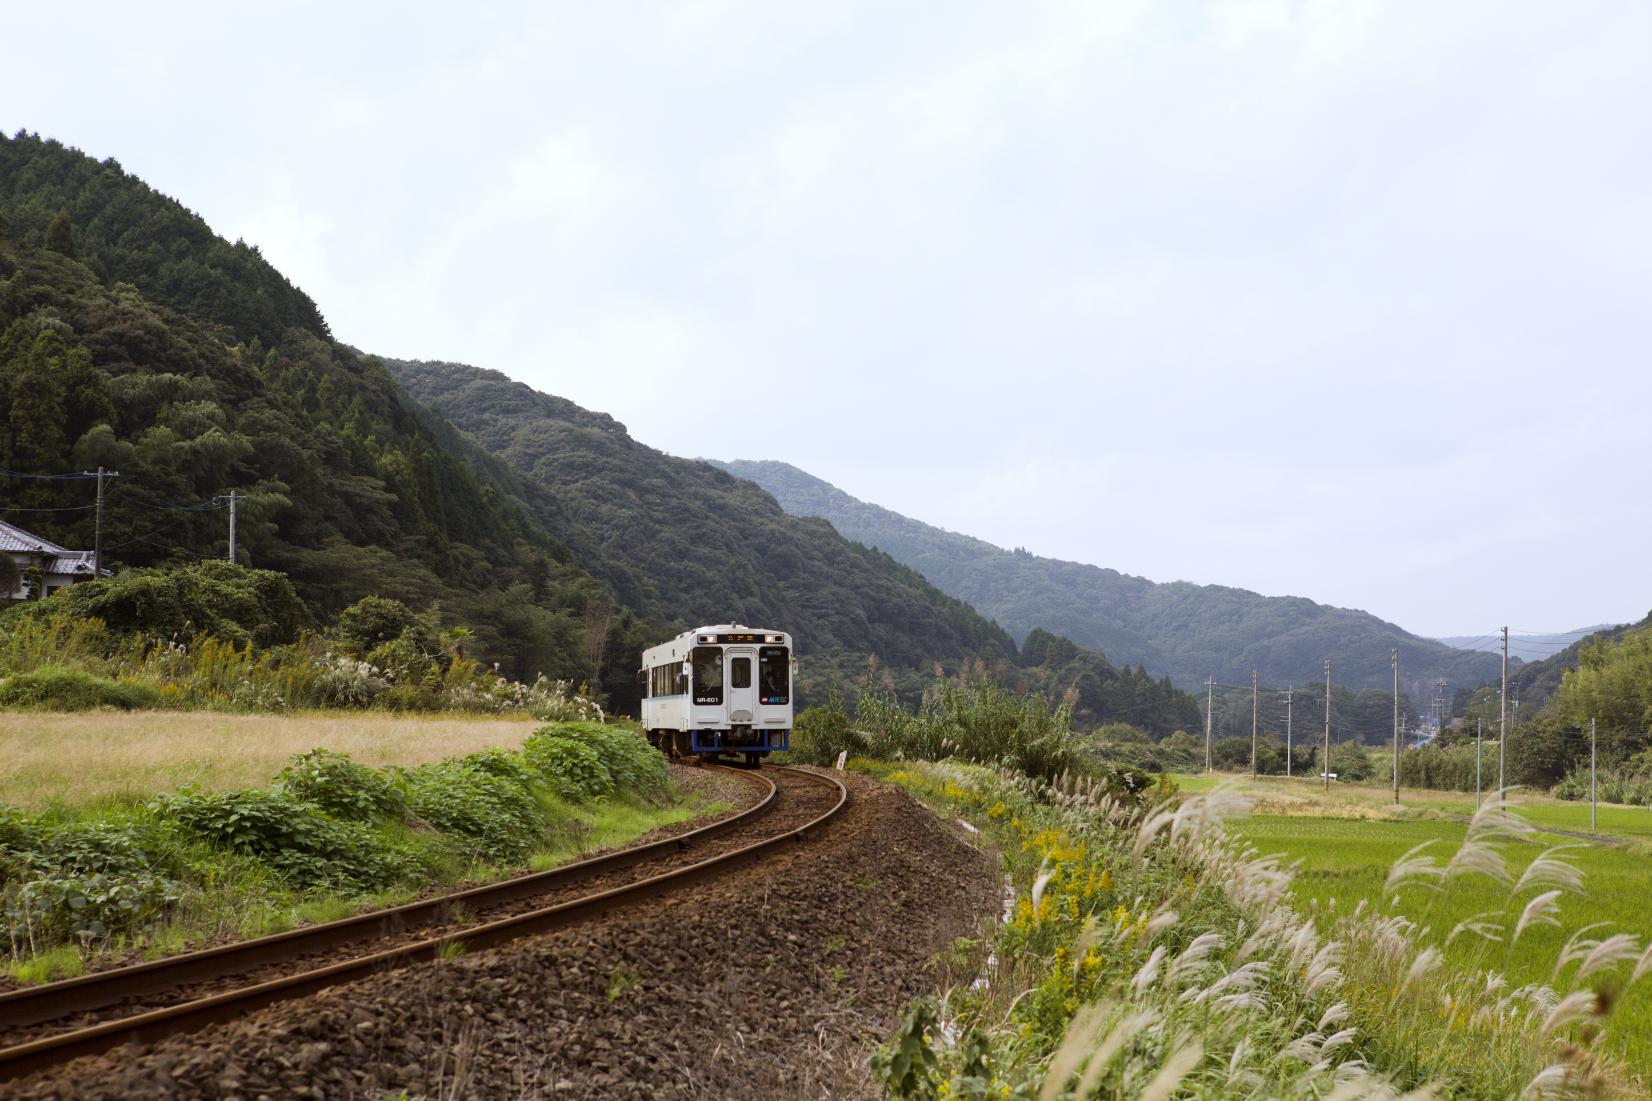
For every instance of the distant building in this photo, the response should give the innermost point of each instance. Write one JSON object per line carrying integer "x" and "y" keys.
{"x": 58, "y": 566}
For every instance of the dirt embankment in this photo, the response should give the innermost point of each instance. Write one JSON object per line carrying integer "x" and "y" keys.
{"x": 771, "y": 983}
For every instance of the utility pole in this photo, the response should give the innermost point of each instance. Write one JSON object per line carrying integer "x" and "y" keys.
{"x": 97, "y": 536}
{"x": 233, "y": 497}
{"x": 1253, "y": 724}
{"x": 1394, "y": 657}
{"x": 1327, "y": 769}
{"x": 1591, "y": 774}
{"x": 1287, "y": 732}
{"x": 1210, "y": 684}
{"x": 1503, "y": 720}
{"x": 1445, "y": 706}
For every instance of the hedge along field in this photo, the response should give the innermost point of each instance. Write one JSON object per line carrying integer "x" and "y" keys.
{"x": 1345, "y": 862}
{"x": 327, "y": 836}
{"x": 84, "y": 757}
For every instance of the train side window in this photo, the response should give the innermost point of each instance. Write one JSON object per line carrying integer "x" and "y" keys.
{"x": 774, "y": 675}
{"x": 739, "y": 673}
{"x": 708, "y": 675}
{"x": 643, "y": 684}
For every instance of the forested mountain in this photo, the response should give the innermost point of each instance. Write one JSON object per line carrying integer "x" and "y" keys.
{"x": 1181, "y": 629}
{"x": 134, "y": 339}
{"x": 684, "y": 542}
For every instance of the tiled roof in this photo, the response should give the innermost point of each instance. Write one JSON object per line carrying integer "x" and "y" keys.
{"x": 16, "y": 539}
{"x": 75, "y": 562}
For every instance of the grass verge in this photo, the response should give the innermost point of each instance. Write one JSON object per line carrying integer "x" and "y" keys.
{"x": 1148, "y": 953}
{"x": 327, "y": 837}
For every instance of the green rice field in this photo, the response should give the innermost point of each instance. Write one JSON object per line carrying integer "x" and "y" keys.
{"x": 1345, "y": 841}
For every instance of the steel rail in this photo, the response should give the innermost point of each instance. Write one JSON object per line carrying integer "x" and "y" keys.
{"x": 54, "y": 1001}
{"x": 156, "y": 1024}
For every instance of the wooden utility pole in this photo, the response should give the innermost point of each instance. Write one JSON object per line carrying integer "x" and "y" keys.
{"x": 1210, "y": 684}
{"x": 1503, "y": 721}
{"x": 1253, "y": 724}
{"x": 1327, "y": 769}
{"x": 1591, "y": 774}
{"x": 1394, "y": 657}
{"x": 97, "y": 530}
{"x": 233, "y": 497}
{"x": 1287, "y": 732}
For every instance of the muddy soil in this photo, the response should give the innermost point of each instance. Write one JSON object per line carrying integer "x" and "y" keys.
{"x": 774, "y": 982}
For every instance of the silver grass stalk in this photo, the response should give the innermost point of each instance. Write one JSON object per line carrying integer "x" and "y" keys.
{"x": 1117, "y": 1038}
{"x": 1608, "y": 953}
{"x": 1482, "y": 925}
{"x": 1574, "y": 1007}
{"x": 1412, "y": 869}
{"x": 1075, "y": 1045}
{"x": 1549, "y": 871}
{"x": 1541, "y": 910}
{"x": 1577, "y": 946}
{"x": 1178, "y": 1066}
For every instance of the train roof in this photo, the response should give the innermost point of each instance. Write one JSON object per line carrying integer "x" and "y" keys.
{"x": 763, "y": 634}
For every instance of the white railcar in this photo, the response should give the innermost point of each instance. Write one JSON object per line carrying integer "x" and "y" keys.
{"x": 722, "y": 689}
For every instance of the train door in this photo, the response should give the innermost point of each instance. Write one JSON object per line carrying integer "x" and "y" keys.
{"x": 742, "y": 686}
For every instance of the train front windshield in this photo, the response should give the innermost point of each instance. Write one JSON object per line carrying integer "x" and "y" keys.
{"x": 774, "y": 675}
{"x": 708, "y": 674}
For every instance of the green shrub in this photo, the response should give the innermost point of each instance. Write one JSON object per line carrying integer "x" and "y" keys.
{"x": 504, "y": 764}
{"x": 632, "y": 764}
{"x": 54, "y": 908}
{"x": 296, "y": 838}
{"x": 341, "y": 787}
{"x": 59, "y": 688}
{"x": 574, "y": 768}
{"x": 498, "y": 817}
{"x": 372, "y": 621}
{"x": 80, "y": 880}
{"x": 822, "y": 732}
{"x": 213, "y": 597}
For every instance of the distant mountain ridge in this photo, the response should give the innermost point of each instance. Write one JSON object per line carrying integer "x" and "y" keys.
{"x": 1178, "y": 628}
{"x": 1527, "y": 647}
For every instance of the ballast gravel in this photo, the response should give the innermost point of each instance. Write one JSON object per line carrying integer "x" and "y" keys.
{"x": 773, "y": 982}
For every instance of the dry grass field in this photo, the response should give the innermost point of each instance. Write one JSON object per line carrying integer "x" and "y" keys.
{"x": 87, "y": 757}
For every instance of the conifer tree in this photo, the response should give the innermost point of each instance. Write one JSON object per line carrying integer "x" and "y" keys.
{"x": 60, "y": 235}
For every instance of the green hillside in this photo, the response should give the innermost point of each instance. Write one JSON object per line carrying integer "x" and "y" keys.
{"x": 134, "y": 338}
{"x": 1187, "y": 631}
{"x": 684, "y": 542}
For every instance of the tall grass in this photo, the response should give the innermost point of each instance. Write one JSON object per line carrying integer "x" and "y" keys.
{"x": 971, "y": 718}
{"x": 1150, "y": 954}
{"x": 62, "y": 663}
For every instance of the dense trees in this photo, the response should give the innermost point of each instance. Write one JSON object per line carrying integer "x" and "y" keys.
{"x": 682, "y": 541}
{"x": 1100, "y": 693}
{"x": 194, "y": 368}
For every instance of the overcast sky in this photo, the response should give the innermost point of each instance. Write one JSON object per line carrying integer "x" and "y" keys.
{"x": 1345, "y": 300}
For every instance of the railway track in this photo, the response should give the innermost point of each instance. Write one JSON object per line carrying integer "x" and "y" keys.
{"x": 51, "y": 1024}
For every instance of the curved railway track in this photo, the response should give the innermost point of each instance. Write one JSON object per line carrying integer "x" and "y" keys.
{"x": 46, "y": 1025}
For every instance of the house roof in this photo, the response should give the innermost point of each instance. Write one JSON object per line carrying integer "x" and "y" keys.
{"x": 74, "y": 562}
{"x": 15, "y": 539}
